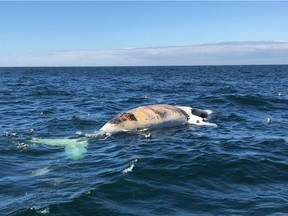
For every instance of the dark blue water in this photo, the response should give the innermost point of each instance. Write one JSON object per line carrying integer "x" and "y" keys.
{"x": 237, "y": 168}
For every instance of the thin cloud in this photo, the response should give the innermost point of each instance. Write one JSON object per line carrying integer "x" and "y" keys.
{"x": 230, "y": 53}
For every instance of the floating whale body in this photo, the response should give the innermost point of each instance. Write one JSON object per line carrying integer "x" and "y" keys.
{"x": 144, "y": 118}
{"x": 155, "y": 117}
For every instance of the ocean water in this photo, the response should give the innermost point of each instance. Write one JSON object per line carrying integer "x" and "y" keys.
{"x": 237, "y": 168}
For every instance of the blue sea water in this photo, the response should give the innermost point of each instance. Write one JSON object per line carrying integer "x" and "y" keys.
{"x": 237, "y": 168}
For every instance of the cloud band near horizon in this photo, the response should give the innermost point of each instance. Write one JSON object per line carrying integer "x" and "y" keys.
{"x": 230, "y": 53}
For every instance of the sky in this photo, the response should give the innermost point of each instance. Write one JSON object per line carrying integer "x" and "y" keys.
{"x": 136, "y": 33}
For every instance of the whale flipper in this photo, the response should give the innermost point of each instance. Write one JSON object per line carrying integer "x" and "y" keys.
{"x": 74, "y": 148}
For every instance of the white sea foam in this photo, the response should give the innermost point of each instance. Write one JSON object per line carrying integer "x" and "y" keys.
{"x": 130, "y": 168}
{"x": 41, "y": 171}
{"x": 44, "y": 211}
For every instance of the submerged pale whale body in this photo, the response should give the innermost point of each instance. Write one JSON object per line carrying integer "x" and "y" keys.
{"x": 155, "y": 117}
{"x": 136, "y": 120}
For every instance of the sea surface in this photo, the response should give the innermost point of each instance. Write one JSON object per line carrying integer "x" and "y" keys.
{"x": 239, "y": 167}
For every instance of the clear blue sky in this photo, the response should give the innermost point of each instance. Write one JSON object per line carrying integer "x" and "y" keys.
{"x": 40, "y": 28}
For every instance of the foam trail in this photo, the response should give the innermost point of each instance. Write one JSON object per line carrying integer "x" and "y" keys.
{"x": 41, "y": 171}
{"x": 74, "y": 148}
{"x": 207, "y": 124}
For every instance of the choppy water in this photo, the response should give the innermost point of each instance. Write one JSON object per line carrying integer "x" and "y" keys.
{"x": 238, "y": 168}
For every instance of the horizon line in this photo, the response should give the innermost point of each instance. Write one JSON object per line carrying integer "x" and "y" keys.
{"x": 209, "y": 54}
